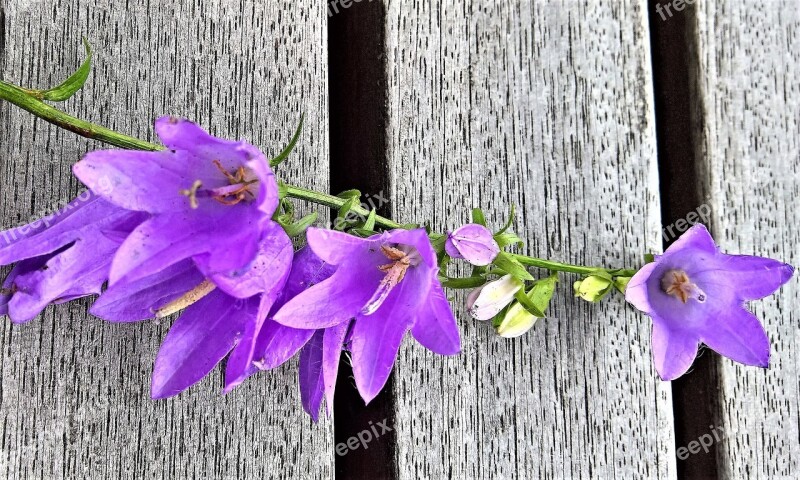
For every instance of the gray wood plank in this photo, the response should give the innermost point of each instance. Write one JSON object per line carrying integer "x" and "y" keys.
{"x": 749, "y": 89}
{"x": 75, "y": 390}
{"x": 547, "y": 105}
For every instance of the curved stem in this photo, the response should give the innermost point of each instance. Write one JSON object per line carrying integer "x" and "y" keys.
{"x": 26, "y": 101}
{"x": 23, "y": 99}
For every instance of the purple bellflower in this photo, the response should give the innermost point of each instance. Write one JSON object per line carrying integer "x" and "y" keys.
{"x": 696, "y": 294}
{"x": 210, "y": 200}
{"x": 474, "y": 243}
{"x": 189, "y": 228}
{"x": 386, "y": 285}
{"x": 63, "y": 256}
{"x": 213, "y": 323}
{"x": 319, "y": 349}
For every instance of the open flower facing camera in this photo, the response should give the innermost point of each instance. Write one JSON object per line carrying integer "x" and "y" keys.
{"x": 202, "y": 228}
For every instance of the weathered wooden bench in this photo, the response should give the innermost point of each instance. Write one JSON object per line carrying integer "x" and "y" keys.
{"x": 602, "y": 121}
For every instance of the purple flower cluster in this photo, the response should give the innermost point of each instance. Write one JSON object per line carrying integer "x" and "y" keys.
{"x": 190, "y": 229}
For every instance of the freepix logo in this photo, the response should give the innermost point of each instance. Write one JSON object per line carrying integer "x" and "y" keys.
{"x": 363, "y": 438}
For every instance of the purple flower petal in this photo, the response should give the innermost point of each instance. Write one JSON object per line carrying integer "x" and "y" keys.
{"x": 78, "y": 270}
{"x": 474, "y": 243}
{"x": 674, "y": 351}
{"x": 277, "y": 343}
{"x": 331, "y": 351}
{"x": 240, "y": 363}
{"x": 752, "y": 278}
{"x": 22, "y": 268}
{"x": 144, "y": 181}
{"x": 80, "y": 218}
{"x": 375, "y": 343}
{"x": 133, "y": 302}
{"x": 169, "y": 238}
{"x": 435, "y": 326}
{"x": 696, "y": 240}
{"x": 311, "y": 381}
{"x": 738, "y": 335}
{"x": 199, "y": 340}
{"x": 267, "y": 272}
{"x": 637, "y": 291}
{"x": 333, "y": 247}
{"x": 334, "y": 300}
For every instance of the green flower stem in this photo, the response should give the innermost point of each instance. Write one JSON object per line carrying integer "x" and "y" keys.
{"x": 26, "y": 101}
{"x": 568, "y": 268}
{"x": 23, "y": 99}
{"x": 332, "y": 201}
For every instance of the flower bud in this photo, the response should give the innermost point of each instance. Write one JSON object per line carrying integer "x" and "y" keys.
{"x": 474, "y": 243}
{"x": 486, "y": 302}
{"x": 593, "y": 288}
{"x": 516, "y": 321}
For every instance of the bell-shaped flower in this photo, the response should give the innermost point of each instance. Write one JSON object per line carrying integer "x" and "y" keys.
{"x": 319, "y": 349}
{"x": 213, "y": 324}
{"x": 696, "y": 294}
{"x": 474, "y": 243}
{"x": 210, "y": 200}
{"x": 388, "y": 285}
{"x": 63, "y": 256}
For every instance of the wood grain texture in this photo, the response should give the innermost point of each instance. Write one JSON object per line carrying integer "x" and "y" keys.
{"x": 75, "y": 390}
{"x": 749, "y": 94}
{"x": 547, "y": 105}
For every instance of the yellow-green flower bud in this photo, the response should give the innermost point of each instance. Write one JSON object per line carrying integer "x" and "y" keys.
{"x": 593, "y": 288}
{"x": 516, "y": 321}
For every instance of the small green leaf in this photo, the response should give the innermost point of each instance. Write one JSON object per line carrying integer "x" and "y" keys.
{"x": 649, "y": 258}
{"x": 437, "y": 241}
{"x": 511, "y": 265}
{"x": 75, "y": 81}
{"x": 348, "y": 194}
{"x": 543, "y": 291}
{"x": 301, "y": 225}
{"x": 409, "y": 226}
{"x": 528, "y": 304}
{"x": 286, "y": 151}
{"x": 511, "y": 218}
{"x": 346, "y": 207}
{"x": 508, "y": 238}
{"x": 461, "y": 283}
{"x": 478, "y": 217}
{"x": 369, "y": 224}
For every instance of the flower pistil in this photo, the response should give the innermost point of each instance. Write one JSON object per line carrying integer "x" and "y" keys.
{"x": 401, "y": 259}
{"x": 678, "y": 284}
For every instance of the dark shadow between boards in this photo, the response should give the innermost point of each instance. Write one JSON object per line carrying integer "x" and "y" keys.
{"x": 679, "y": 122}
{"x": 357, "y": 83}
